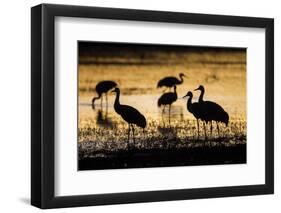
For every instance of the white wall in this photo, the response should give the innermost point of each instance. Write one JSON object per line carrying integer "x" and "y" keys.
{"x": 15, "y": 105}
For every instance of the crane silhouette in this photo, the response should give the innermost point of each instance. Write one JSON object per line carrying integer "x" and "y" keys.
{"x": 102, "y": 88}
{"x": 212, "y": 111}
{"x": 170, "y": 81}
{"x": 168, "y": 98}
{"x": 131, "y": 115}
{"x": 194, "y": 108}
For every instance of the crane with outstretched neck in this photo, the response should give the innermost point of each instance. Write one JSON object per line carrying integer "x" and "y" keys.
{"x": 170, "y": 81}
{"x": 212, "y": 111}
{"x": 194, "y": 108}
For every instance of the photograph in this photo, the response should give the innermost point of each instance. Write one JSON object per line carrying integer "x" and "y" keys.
{"x": 154, "y": 105}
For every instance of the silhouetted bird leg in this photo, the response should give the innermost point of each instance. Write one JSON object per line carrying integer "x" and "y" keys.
{"x": 211, "y": 128}
{"x": 211, "y": 132}
{"x": 218, "y": 128}
{"x": 106, "y": 101}
{"x": 226, "y": 132}
{"x": 101, "y": 101}
{"x": 144, "y": 137}
{"x": 198, "y": 129}
{"x": 204, "y": 124}
{"x": 163, "y": 111}
{"x": 128, "y": 136}
{"x": 106, "y": 114}
{"x": 170, "y": 114}
{"x": 133, "y": 134}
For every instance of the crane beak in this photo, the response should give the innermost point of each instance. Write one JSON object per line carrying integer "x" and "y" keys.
{"x": 196, "y": 89}
{"x": 184, "y": 96}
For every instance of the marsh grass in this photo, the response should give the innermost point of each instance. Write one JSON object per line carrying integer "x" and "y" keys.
{"x": 111, "y": 136}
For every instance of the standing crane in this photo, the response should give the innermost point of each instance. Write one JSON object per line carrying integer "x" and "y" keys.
{"x": 131, "y": 115}
{"x": 168, "y": 98}
{"x": 194, "y": 108}
{"x": 102, "y": 88}
{"x": 170, "y": 81}
{"x": 212, "y": 111}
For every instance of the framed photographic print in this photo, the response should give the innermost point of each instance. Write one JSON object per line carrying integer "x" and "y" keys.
{"x": 139, "y": 106}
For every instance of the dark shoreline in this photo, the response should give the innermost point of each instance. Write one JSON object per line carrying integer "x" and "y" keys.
{"x": 204, "y": 155}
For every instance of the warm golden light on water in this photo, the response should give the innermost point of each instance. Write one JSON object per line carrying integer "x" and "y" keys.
{"x": 138, "y": 87}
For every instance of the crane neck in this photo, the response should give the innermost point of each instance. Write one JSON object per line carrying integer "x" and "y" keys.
{"x": 175, "y": 92}
{"x": 95, "y": 98}
{"x": 189, "y": 103}
{"x": 181, "y": 79}
{"x": 116, "y": 102}
{"x": 201, "y": 96}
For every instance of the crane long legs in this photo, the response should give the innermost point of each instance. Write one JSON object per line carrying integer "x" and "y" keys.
{"x": 106, "y": 101}
{"x": 198, "y": 129}
{"x": 131, "y": 126}
{"x": 101, "y": 101}
{"x": 133, "y": 134}
{"x": 204, "y": 124}
{"x": 218, "y": 128}
{"x": 170, "y": 114}
{"x": 163, "y": 111}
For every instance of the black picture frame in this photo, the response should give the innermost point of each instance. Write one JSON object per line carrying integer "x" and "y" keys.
{"x": 43, "y": 102}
